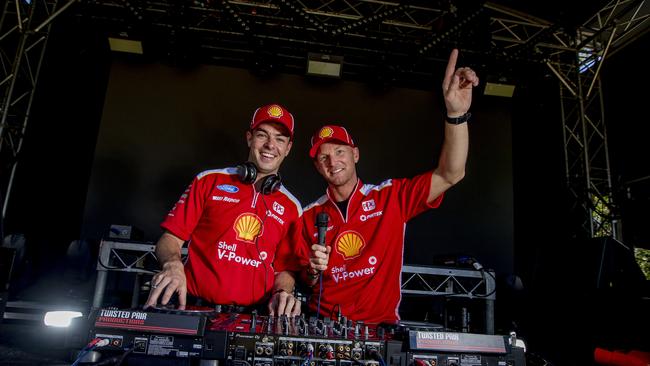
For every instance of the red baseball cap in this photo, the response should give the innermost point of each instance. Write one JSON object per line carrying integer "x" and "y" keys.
{"x": 329, "y": 133}
{"x": 273, "y": 113}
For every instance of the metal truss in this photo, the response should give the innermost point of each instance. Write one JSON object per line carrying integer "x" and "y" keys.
{"x": 372, "y": 35}
{"x": 452, "y": 282}
{"x": 587, "y": 165}
{"x": 519, "y": 36}
{"x": 24, "y": 29}
{"x": 398, "y": 41}
{"x": 130, "y": 257}
{"x": 386, "y": 41}
{"x": 576, "y": 60}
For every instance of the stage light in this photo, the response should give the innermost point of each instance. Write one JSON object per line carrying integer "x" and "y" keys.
{"x": 60, "y": 319}
{"x": 499, "y": 86}
{"x": 125, "y": 45}
{"x": 499, "y": 90}
{"x": 324, "y": 65}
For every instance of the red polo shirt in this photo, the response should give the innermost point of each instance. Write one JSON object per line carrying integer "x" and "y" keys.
{"x": 237, "y": 236}
{"x": 363, "y": 277}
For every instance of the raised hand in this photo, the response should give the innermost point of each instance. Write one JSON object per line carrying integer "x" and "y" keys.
{"x": 457, "y": 87}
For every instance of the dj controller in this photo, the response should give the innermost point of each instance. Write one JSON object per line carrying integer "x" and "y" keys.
{"x": 212, "y": 337}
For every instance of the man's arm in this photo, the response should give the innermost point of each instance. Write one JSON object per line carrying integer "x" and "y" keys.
{"x": 171, "y": 278}
{"x": 288, "y": 260}
{"x": 457, "y": 89}
{"x": 451, "y": 165}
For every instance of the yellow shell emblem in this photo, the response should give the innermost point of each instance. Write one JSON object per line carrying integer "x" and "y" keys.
{"x": 325, "y": 132}
{"x": 274, "y": 111}
{"x": 248, "y": 226}
{"x": 350, "y": 244}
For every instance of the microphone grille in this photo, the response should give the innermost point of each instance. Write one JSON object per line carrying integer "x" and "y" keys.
{"x": 322, "y": 219}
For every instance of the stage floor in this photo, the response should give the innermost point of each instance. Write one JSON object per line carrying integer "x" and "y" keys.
{"x": 22, "y": 344}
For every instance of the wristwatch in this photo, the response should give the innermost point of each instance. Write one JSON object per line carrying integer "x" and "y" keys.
{"x": 458, "y": 120}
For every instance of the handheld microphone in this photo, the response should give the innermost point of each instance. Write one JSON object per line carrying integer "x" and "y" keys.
{"x": 321, "y": 225}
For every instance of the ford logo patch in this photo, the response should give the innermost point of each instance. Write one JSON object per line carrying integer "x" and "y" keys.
{"x": 228, "y": 188}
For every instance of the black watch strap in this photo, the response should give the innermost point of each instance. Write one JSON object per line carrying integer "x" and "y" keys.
{"x": 458, "y": 120}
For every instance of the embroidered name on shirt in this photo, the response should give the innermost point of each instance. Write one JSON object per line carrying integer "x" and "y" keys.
{"x": 371, "y": 216}
{"x": 225, "y": 199}
{"x": 274, "y": 216}
{"x": 233, "y": 200}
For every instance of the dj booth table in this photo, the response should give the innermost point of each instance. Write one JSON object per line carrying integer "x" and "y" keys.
{"x": 197, "y": 337}
{"x": 122, "y": 256}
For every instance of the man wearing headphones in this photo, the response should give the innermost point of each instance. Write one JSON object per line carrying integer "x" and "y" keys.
{"x": 238, "y": 222}
{"x": 360, "y": 268}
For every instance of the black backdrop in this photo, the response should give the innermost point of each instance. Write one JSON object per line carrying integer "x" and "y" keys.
{"x": 162, "y": 125}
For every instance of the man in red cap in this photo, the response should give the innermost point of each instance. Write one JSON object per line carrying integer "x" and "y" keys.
{"x": 238, "y": 222}
{"x": 362, "y": 260}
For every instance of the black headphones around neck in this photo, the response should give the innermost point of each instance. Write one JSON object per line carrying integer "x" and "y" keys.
{"x": 247, "y": 173}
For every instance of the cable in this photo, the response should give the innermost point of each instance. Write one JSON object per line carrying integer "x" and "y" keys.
{"x": 495, "y": 284}
{"x": 336, "y": 306}
{"x": 479, "y": 267}
{"x": 241, "y": 362}
{"x": 115, "y": 360}
{"x": 123, "y": 357}
{"x": 259, "y": 254}
{"x": 375, "y": 354}
{"x": 96, "y": 342}
{"x": 320, "y": 292}
{"x": 310, "y": 355}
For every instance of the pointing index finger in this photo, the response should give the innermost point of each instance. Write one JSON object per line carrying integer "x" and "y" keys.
{"x": 451, "y": 68}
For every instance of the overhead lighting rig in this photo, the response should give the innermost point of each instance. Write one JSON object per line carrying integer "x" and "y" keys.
{"x": 299, "y": 10}
{"x": 450, "y": 31}
{"x": 365, "y": 21}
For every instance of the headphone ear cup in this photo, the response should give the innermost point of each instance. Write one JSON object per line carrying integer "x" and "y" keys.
{"x": 247, "y": 172}
{"x": 271, "y": 184}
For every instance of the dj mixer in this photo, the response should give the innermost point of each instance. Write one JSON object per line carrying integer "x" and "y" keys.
{"x": 208, "y": 336}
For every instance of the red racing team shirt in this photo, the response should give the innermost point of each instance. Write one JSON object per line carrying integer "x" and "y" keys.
{"x": 363, "y": 278}
{"x": 237, "y": 236}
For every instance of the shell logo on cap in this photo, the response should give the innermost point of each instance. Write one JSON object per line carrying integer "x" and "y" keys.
{"x": 350, "y": 244}
{"x": 274, "y": 111}
{"x": 248, "y": 226}
{"x": 325, "y": 132}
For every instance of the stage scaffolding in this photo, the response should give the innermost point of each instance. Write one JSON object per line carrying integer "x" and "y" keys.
{"x": 371, "y": 33}
{"x": 24, "y": 31}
